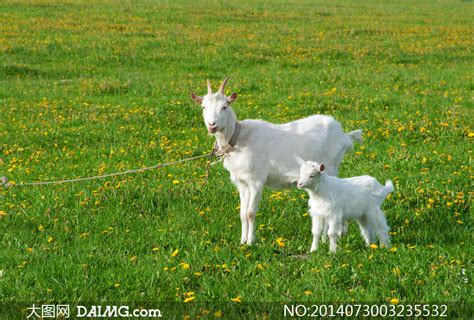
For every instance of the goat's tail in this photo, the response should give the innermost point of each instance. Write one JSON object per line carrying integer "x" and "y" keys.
{"x": 388, "y": 188}
{"x": 355, "y": 136}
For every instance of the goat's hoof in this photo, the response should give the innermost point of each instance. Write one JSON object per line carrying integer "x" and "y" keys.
{"x": 250, "y": 241}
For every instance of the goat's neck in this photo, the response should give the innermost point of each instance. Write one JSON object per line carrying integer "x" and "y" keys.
{"x": 320, "y": 189}
{"x": 224, "y": 136}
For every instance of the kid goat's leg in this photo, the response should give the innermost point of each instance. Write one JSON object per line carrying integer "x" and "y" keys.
{"x": 365, "y": 230}
{"x": 317, "y": 228}
{"x": 383, "y": 229}
{"x": 380, "y": 227}
{"x": 335, "y": 225}
{"x": 255, "y": 194}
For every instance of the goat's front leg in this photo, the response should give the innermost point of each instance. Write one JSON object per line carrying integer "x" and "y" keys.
{"x": 244, "y": 204}
{"x": 318, "y": 225}
{"x": 255, "y": 195}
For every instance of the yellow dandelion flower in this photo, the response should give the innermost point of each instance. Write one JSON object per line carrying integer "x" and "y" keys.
{"x": 393, "y": 249}
{"x": 236, "y": 299}
{"x": 175, "y": 253}
{"x": 40, "y": 228}
{"x": 117, "y": 285}
{"x": 373, "y": 246}
{"x": 49, "y": 290}
{"x": 308, "y": 292}
{"x": 184, "y": 265}
{"x": 197, "y": 274}
{"x": 29, "y": 249}
{"x": 155, "y": 249}
{"x": 218, "y": 314}
{"x": 189, "y": 299}
{"x": 394, "y": 301}
{"x": 280, "y": 242}
{"x": 3, "y": 213}
{"x": 175, "y": 181}
{"x": 50, "y": 239}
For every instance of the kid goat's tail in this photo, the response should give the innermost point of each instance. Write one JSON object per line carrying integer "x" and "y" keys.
{"x": 388, "y": 187}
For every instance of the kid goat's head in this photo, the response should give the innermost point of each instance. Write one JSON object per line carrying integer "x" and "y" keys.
{"x": 216, "y": 107}
{"x": 310, "y": 172}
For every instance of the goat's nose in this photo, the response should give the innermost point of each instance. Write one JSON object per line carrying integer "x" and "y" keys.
{"x": 211, "y": 124}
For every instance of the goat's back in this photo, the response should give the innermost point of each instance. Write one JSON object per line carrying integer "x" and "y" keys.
{"x": 269, "y": 149}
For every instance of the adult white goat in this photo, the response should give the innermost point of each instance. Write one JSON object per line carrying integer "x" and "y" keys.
{"x": 334, "y": 201}
{"x": 258, "y": 153}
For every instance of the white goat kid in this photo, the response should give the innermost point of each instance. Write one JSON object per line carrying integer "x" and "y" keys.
{"x": 258, "y": 153}
{"x": 333, "y": 201}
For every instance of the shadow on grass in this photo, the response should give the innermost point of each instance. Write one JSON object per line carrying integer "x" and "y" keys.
{"x": 19, "y": 71}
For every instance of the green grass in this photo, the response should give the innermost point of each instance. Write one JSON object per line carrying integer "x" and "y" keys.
{"x": 91, "y": 88}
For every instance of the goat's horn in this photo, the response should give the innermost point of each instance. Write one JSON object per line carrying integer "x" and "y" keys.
{"x": 209, "y": 89}
{"x": 222, "y": 87}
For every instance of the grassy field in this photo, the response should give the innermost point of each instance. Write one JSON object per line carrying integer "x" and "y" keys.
{"x": 99, "y": 87}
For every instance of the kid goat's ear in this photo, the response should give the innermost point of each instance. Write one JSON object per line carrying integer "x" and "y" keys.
{"x": 321, "y": 167}
{"x": 232, "y": 97}
{"x": 196, "y": 98}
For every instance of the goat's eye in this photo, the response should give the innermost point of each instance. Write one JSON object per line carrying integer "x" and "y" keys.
{"x": 225, "y": 107}
{"x": 312, "y": 176}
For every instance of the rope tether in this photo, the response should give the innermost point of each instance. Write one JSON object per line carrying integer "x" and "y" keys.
{"x": 4, "y": 181}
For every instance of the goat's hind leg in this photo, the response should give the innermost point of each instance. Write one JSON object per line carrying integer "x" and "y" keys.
{"x": 365, "y": 230}
{"x": 381, "y": 228}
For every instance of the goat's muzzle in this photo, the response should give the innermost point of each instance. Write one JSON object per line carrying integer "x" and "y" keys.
{"x": 212, "y": 129}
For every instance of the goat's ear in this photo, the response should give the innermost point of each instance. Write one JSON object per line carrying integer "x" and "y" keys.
{"x": 321, "y": 167}
{"x": 196, "y": 98}
{"x": 232, "y": 97}
{"x": 299, "y": 160}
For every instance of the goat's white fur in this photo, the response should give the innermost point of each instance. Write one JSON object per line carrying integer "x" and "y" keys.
{"x": 263, "y": 154}
{"x": 333, "y": 201}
